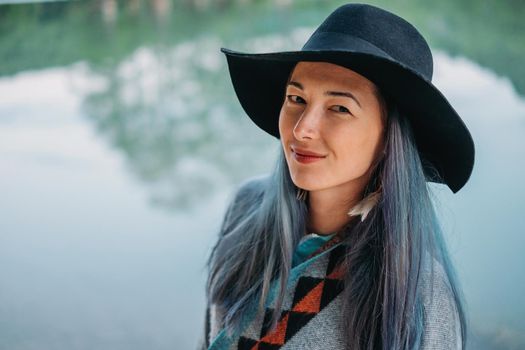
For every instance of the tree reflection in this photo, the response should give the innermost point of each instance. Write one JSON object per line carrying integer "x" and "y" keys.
{"x": 167, "y": 102}
{"x": 173, "y": 113}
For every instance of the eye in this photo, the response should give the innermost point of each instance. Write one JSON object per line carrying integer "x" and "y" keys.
{"x": 295, "y": 99}
{"x": 341, "y": 109}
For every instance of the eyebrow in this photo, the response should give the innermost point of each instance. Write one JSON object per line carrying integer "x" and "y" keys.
{"x": 329, "y": 93}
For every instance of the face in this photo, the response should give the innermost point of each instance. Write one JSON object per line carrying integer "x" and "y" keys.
{"x": 335, "y": 113}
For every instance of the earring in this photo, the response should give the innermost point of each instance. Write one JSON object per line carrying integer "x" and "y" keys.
{"x": 366, "y": 204}
{"x": 301, "y": 194}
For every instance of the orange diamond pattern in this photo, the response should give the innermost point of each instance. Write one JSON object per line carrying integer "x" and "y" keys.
{"x": 311, "y": 295}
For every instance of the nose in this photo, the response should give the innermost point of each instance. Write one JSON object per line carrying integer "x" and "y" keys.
{"x": 308, "y": 125}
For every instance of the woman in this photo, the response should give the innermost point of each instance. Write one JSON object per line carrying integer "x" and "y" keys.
{"x": 340, "y": 247}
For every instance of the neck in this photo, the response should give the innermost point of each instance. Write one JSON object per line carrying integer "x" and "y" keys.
{"x": 328, "y": 208}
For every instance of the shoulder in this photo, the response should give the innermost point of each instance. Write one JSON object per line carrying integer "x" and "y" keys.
{"x": 442, "y": 326}
{"x": 246, "y": 195}
{"x": 252, "y": 187}
{"x": 245, "y": 198}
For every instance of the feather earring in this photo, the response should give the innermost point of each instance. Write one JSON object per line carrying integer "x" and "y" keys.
{"x": 301, "y": 194}
{"x": 366, "y": 204}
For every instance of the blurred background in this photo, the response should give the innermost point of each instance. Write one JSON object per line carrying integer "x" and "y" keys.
{"x": 121, "y": 142}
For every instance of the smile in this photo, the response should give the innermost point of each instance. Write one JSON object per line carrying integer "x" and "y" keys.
{"x": 305, "y": 159}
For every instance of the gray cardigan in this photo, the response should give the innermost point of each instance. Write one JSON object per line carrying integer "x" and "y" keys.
{"x": 441, "y": 319}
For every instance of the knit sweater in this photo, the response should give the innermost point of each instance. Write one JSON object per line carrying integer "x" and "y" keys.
{"x": 311, "y": 316}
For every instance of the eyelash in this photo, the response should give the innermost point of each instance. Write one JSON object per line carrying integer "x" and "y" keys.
{"x": 290, "y": 98}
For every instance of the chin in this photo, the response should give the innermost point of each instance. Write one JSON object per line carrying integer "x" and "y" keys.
{"x": 307, "y": 183}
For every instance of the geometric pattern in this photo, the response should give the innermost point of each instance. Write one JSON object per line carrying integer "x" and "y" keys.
{"x": 311, "y": 295}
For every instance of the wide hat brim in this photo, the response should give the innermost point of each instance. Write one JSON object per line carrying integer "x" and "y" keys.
{"x": 444, "y": 142}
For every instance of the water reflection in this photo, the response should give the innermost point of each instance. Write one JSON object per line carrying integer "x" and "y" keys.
{"x": 105, "y": 32}
{"x": 484, "y": 223}
{"x": 174, "y": 115}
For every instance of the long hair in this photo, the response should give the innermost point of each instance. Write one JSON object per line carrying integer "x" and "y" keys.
{"x": 386, "y": 254}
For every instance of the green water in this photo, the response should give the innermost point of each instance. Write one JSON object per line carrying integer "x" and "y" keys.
{"x": 55, "y": 34}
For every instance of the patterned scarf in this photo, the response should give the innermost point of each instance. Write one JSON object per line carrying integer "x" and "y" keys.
{"x": 312, "y": 287}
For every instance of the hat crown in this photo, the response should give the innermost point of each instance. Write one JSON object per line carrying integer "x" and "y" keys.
{"x": 370, "y": 25}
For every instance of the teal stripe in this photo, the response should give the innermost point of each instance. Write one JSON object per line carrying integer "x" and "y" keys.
{"x": 308, "y": 247}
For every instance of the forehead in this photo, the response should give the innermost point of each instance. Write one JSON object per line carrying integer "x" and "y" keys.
{"x": 329, "y": 73}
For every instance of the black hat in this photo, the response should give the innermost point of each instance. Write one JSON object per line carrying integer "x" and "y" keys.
{"x": 385, "y": 49}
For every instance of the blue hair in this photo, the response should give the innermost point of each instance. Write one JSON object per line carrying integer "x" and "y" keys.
{"x": 386, "y": 257}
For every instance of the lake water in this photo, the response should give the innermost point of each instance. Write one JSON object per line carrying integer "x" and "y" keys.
{"x": 117, "y": 159}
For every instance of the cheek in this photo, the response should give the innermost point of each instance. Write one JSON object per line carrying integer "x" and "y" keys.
{"x": 356, "y": 150}
{"x": 286, "y": 124}
{"x": 281, "y": 124}
{"x": 284, "y": 132}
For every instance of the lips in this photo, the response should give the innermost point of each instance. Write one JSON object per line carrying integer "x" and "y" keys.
{"x": 306, "y": 153}
{"x": 306, "y": 157}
